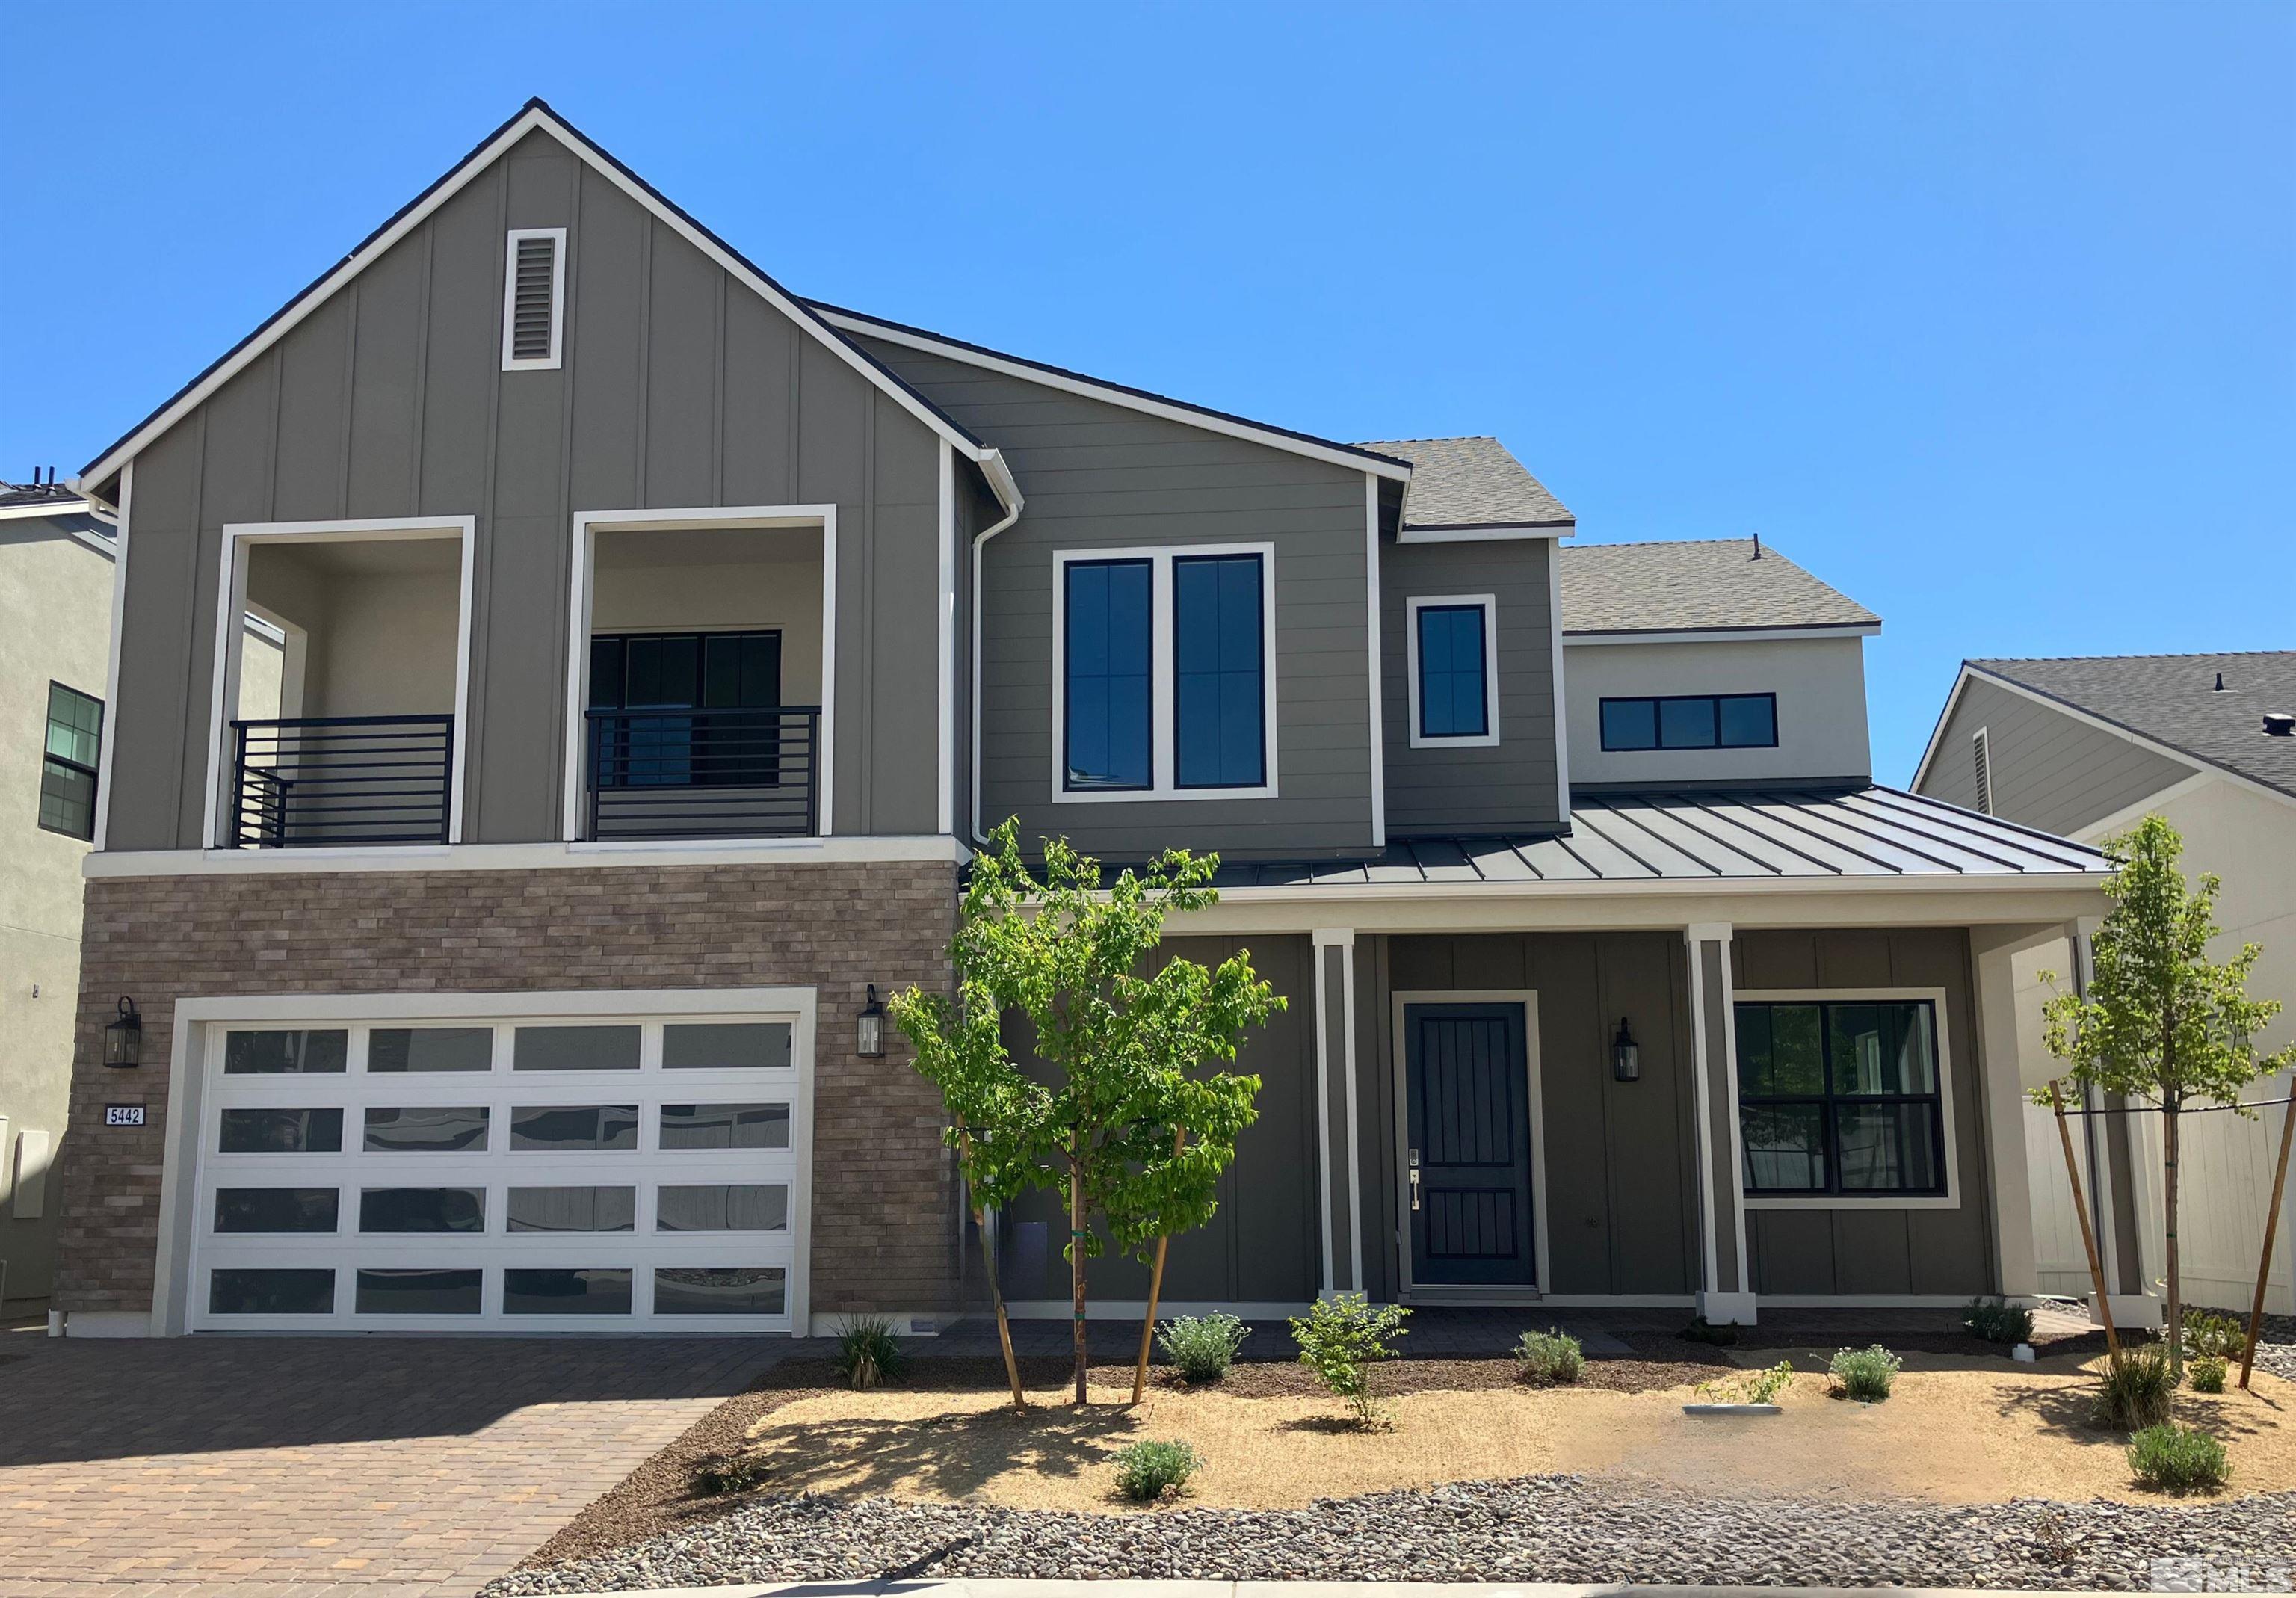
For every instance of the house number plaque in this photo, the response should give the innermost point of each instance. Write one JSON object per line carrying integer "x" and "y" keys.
{"x": 123, "y": 1115}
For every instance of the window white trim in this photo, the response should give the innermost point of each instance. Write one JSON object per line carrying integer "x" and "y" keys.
{"x": 1941, "y": 1017}
{"x": 231, "y": 600}
{"x": 1161, "y": 708}
{"x": 581, "y": 584}
{"x": 549, "y": 363}
{"x": 1489, "y": 606}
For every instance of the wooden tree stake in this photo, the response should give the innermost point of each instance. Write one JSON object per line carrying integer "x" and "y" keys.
{"x": 2088, "y": 1234}
{"x": 2271, "y": 1226}
{"x": 995, "y": 1290}
{"x": 1155, "y": 1290}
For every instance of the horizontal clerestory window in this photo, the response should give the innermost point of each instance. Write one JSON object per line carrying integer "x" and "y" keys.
{"x": 1691, "y": 721}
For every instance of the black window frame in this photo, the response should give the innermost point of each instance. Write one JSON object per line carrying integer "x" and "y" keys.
{"x": 1064, "y": 576}
{"x": 1263, "y": 668}
{"x": 49, "y": 757}
{"x": 1484, "y": 620}
{"x": 1657, "y": 722}
{"x": 1830, "y": 1099}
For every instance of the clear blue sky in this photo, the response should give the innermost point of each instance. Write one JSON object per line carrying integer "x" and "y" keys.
{"x": 1983, "y": 313}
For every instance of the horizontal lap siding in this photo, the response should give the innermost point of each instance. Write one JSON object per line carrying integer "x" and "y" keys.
{"x": 679, "y": 388}
{"x": 2049, "y": 770}
{"x": 1097, "y": 476}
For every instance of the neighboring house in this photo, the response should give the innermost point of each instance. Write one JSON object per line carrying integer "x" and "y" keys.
{"x": 2085, "y": 748}
{"x": 659, "y": 644}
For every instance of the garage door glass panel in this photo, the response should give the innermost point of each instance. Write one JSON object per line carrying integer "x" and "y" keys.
{"x": 246, "y": 1291}
{"x": 419, "y": 1291}
{"x": 431, "y": 1049}
{"x": 729, "y": 1046}
{"x": 282, "y": 1053}
{"x": 422, "y": 1209}
{"x": 576, "y": 1049}
{"x": 277, "y": 1208}
{"x": 427, "y": 1129}
{"x": 573, "y": 1208}
{"x": 724, "y": 1207}
{"x": 567, "y": 1127}
{"x": 529, "y": 1292}
{"x": 724, "y": 1125}
{"x": 281, "y": 1132}
{"x": 734, "y": 1290}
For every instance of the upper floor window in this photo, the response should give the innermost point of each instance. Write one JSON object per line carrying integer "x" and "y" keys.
{"x": 534, "y": 295}
{"x": 68, "y": 765}
{"x": 1841, "y": 1098}
{"x": 1166, "y": 675}
{"x": 1691, "y": 721}
{"x": 1453, "y": 671}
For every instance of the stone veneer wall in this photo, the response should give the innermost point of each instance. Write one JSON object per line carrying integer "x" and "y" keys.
{"x": 884, "y": 1204}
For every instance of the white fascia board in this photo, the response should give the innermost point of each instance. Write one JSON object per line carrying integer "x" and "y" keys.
{"x": 1068, "y": 383}
{"x": 1493, "y": 532}
{"x": 1376, "y": 893}
{"x": 54, "y": 507}
{"x": 537, "y": 119}
{"x": 1726, "y": 635}
{"x": 1937, "y": 733}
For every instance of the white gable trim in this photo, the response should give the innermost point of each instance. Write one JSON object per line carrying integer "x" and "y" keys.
{"x": 538, "y": 117}
{"x": 1069, "y": 382}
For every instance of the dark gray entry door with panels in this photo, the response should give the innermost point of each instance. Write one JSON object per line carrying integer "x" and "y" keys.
{"x": 1467, "y": 1160}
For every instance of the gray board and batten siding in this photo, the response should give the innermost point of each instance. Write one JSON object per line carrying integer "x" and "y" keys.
{"x": 1103, "y": 476}
{"x": 2049, "y": 770}
{"x": 679, "y": 388}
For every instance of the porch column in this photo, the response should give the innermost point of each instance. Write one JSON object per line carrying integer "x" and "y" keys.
{"x": 2116, "y": 1187}
{"x": 1726, "y": 1289}
{"x": 2002, "y": 1092}
{"x": 1338, "y": 1159}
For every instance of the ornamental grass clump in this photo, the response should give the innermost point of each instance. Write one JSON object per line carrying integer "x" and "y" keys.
{"x": 1146, "y": 1471}
{"x": 867, "y": 1353}
{"x": 1865, "y": 1374}
{"x": 2206, "y": 1333}
{"x": 1340, "y": 1340}
{"x": 1998, "y": 1321}
{"x": 2209, "y": 1373}
{"x": 1201, "y": 1346}
{"x": 2178, "y": 1459}
{"x": 1551, "y": 1358}
{"x": 2137, "y": 1389}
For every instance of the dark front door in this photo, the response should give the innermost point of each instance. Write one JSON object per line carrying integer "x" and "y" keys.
{"x": 1468, "y": 1158}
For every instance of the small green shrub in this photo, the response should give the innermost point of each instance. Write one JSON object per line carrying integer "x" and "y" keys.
{"x": 1202, "y": 1346}
{"x": 867, "y": 1353}
{"x": 1998, "y": 1321}
{"x": 1340, "y": 1340}
{"x": 1752, "y": 1387}
{"x": 1865, "y": 1374}
{"x": 1703, "y": 1331}
{"x": 2137, "y": 1389}
{"x": 2178, "y": 1459}
{"x": 1146, "y": 1471}
{"x": 730, "y": 1473}
{"x": 1551, "y": 1356}
{"x": 2217, "y": 1334}
{"x": 2208, "y": 1372}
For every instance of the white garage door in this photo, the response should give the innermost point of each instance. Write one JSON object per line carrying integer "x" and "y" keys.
{"x": 592, "y": 1173}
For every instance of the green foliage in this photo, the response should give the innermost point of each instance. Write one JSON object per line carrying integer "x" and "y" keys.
{"x": 1750, "y": 1387}
{"x": 867, "y": 1353}
{"x": 1865, "y": 1374}
{"x": 2207, "y": 1373}
{"x": 1340, "y": 1340}
{"x": 1146, "y": 1471}
{"x": 1202, "y": 1346}
{"x": 2213, "y": 1334}
{"x": 726, "y": 1474}
{"x": 2178, "y": 1459}
{"x": 1998, "y": 1321}
{"x": 2138, "y": 1388}
{"x": 1551, "y": 1358}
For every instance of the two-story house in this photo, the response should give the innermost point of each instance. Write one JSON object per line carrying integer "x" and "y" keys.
{"x": 659, "y": 644}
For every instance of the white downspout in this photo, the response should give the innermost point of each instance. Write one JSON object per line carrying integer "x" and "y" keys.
{"x": 1000, "y": 477}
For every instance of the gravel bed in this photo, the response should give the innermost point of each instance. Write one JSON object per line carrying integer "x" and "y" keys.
{"x": 1532, "y": 1529}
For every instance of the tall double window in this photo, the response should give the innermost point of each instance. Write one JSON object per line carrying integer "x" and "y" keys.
{"x": 1166, "y": 672}
{"x": 1453, "y": 671}
{"x": 1841, "y": 1098}
{"x": 68, "y": 762}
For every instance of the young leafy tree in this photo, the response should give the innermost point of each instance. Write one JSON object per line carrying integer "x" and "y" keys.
{"x": 2161, "y": 1023}
{"x": 1123, "y": 1045}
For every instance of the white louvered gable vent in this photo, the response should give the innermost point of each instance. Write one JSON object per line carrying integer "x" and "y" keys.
{"x": 534, "y": 311}
{"x": 1981, "y": 763}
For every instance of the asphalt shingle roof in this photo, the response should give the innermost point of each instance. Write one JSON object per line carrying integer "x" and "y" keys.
{"x": 1472, "y": 482}
{"x": 15, "y": 495}
{"x": 1694, "y": 585}
{"x": 2173, "y": 700}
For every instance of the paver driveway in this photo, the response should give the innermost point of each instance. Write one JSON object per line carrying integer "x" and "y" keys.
{"x": 351, "y": 1467}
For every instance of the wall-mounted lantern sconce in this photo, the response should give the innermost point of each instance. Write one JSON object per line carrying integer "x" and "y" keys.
{"x": 871, "y": 1042}
{"x": 123, "y": 1039}
{"x": 1626, "y": 1054}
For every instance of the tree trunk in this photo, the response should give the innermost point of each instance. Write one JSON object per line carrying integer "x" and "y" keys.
{"x": 1155, "y": 1290}
{"x": 996, "y": 1288}
{"x": 1076, "y": 1270}
{"x": 2169, "y": 1103}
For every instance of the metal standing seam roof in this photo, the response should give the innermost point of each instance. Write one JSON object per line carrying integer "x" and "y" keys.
{"x": 1714, "y": 836}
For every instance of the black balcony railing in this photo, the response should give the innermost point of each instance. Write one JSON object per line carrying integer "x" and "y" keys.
{"x": 321, "y": 780}
{"x": 704, "y": 773}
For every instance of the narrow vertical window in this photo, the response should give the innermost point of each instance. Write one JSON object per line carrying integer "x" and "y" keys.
{"x": 1452, "y": 667}
{"x": 1220, "y": 704}
{"x": 68, "y": 765}
{"x": 1108, "y": 740}
{"x": 534, "y": 283}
